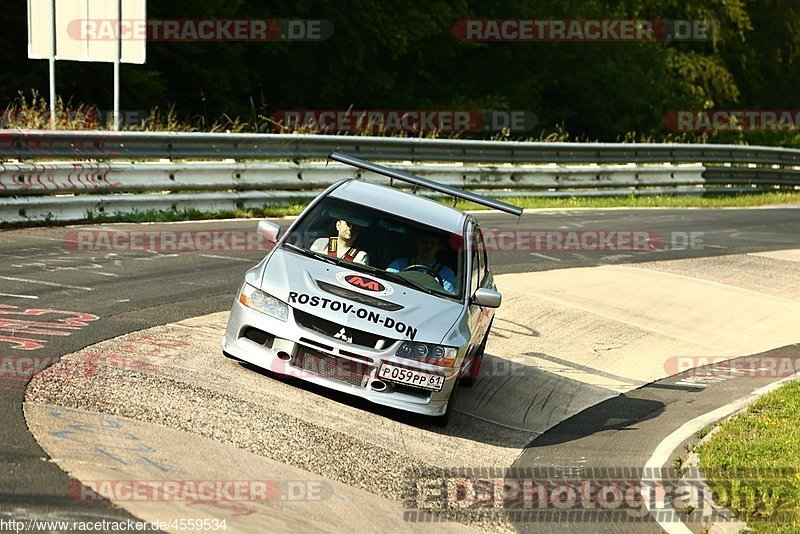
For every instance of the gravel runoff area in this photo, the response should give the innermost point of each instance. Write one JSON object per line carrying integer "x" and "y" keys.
{"x": 155, "y": 376}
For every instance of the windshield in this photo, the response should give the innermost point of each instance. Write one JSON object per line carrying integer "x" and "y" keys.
{"x": 388, "y": 246}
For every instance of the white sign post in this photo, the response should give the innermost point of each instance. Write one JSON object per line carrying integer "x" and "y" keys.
{"x": 78, "y": 30}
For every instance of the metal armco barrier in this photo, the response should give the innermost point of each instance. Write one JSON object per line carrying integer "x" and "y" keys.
{"x": 111, "y": 172}
{"x": 40, "y": 144}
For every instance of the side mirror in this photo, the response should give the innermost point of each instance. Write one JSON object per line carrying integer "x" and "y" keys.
{"x": 269, "y": 231}
{"x": 488, "y": 298}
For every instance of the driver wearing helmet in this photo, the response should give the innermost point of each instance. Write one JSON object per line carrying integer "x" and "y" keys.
{"x": 341, "y": 245}
{"x": 427, "y": 260}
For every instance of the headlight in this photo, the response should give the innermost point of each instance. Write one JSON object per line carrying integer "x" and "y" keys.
{"x": 264, "y": 302}
{"x": 435, "y": 354}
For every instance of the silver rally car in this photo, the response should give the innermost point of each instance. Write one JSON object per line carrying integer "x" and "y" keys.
{"x": 374, "y": 292}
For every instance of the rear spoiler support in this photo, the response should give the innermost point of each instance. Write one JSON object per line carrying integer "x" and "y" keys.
{"x": 418, "y": 181}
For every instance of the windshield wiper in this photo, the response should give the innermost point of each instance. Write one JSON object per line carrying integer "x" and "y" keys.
{"x": 311, "y": 253}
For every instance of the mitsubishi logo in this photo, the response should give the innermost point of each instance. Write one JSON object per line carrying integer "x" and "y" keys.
{"x": 342, "y": 334}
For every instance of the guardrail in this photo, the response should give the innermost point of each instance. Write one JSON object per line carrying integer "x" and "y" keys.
{"x": 40, "y": 144}
{"x": 112, "y": 172}
{"x": 68, "y": 191}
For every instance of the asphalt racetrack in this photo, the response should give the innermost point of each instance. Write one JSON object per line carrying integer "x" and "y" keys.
{"x": 593, "y": 367}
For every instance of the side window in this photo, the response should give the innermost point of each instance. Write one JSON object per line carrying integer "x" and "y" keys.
{"x": 475, "y": 275}
{"x": 478, "y": 249}
{"x": 481, "y": 250}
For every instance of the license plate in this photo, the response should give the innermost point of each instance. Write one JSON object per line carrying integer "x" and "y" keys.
{"x": 418, "y": 379}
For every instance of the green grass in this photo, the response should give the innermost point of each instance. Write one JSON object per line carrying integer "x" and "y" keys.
{"x": 726, "y": 201}
{"x": 761, "y": 199}
{"x": 192, "y": 214}
{"x": 703, "y": 432}
{"x": 763, "y": 446}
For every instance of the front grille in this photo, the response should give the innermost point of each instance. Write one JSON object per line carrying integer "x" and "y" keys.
{"x": 359, "y": 297}
{"x": 329, "y": 366}
{"x": 331, "y": 329}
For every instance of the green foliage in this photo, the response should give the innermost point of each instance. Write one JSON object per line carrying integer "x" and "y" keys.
{"x": 404, "y": 55}
{"x": 33, "y": 113}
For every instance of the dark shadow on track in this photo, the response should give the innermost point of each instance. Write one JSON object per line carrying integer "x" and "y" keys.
{"x": 619, "y": 413}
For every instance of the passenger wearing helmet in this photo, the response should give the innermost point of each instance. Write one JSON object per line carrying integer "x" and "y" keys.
{"x": 341, "y": 245}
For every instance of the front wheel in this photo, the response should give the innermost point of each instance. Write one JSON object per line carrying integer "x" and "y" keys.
{"x": 472, "y": 373}
{"x": 442, "y": 420}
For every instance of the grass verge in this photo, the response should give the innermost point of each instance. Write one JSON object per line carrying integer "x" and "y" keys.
{"x": 665, "y": 201}
{"x": 740, "y": 200}
{"x": 753, "y": 462}
{"x": 192, "y": 214}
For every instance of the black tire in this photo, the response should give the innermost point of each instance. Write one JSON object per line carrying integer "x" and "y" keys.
{"x": 469, "y": 381}
{"x": 443, "y": 420}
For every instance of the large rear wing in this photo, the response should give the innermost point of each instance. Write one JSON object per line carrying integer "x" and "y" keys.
{"x": 424, "y": 182}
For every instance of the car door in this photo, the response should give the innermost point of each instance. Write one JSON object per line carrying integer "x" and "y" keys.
{"x": 480, "y": 276}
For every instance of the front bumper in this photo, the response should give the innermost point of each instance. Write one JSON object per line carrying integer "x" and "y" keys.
{"x": 287, "y": 348}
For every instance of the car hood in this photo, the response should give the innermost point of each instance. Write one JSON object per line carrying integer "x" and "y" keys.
{"x": 346, "y": 296}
